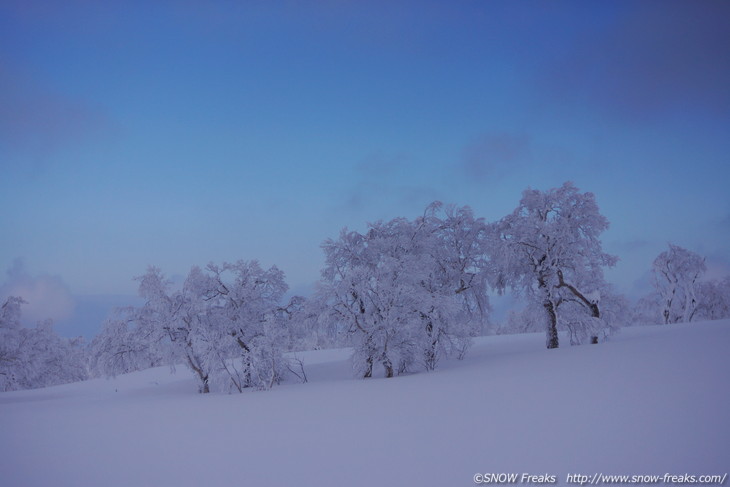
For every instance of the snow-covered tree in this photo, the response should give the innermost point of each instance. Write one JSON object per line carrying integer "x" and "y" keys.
{"x": 120, "y": 347}
{"x": 612, "y": 314}
{"x": 646, "y": 310}
{"x": 311, "y": 327}
{"x": 369, "y": 283}
{"x": 676, "y": 273}
{"x": 460, "y": 250}
{"x": 11, "y": 365}
{"x": 529, "y": 319}
{"x": 239, "y": 308}
{"x": 225, "y": 324}
{"x": 680, "y": 295}
{"x": 36, "y": 357}
{"x": 456, "y": 241}
{"x": 407, "y": 292}
{"x": 714, "y": 299}
{"x": 549, "y": 248}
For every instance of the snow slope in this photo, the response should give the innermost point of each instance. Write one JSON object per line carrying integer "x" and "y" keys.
{"x": 654, "y": 400}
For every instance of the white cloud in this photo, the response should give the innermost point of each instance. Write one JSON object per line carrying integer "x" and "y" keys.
{"x": 48, "y": 297}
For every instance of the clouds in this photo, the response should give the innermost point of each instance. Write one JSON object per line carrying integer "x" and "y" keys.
{"x": 256, "y": 131}
{"x": 36, "y": 120}
{"x": 492, "y": 156}
{"x": 652, "y": 60}
{"x": 387, "y": 181}
{"x": 46, "y": 296}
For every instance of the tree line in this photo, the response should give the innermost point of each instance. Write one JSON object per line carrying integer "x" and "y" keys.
{"x": 404, "y": 294}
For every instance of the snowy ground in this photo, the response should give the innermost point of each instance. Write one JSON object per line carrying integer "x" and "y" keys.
{"x": 654, "y": 400}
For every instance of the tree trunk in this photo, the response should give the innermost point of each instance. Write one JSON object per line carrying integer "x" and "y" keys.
{"x": 402, "y": 367}
{"x": 430, "y": 355}
{"x": 552, "y": 324}
{"x": 388, "y": 367}
{"x": 369, "y": 368}
{"x": 205, "y": 387}
{"x": 595, "y": 310}
{"x": 667, "y": 313}
{"x": 690, "y": 303}
{"x": 552, "y": 328}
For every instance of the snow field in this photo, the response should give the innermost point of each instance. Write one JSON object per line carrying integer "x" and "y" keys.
{"x": 654, "y": 400}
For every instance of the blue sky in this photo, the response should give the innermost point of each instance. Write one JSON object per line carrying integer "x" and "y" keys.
{"x": 178, "y": 133}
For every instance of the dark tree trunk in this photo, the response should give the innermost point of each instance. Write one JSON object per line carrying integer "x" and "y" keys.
{"x": 430, "y": 355}
{"x": 369, "y": 368}
{"x": 402, "y": 367}
{"x": 204, "y": 387}
{"x": 552, "y": 324}
{"x": 595, "y": 310}
{"x": 552, "y": 328}
{"x": 388, "y": 367}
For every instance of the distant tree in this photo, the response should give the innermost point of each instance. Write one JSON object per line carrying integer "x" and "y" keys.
{"x": 371, "y": 283}
{"x": 646, "y": 310}
{"x": 676, "y": 273}
{"x": 529, "y": 319}
{"x": 461, "y": 248}
{"x": 12, "y": 362}
{"x": 407, "y": 292}
{"x": 120, "y": 347}
{"x": 36, "y": 357}
{"x": 313, "y": 328}
{"x": 614, "y": 314}
{"x": 713, "y": 299}
{"x": 549, "y": 248}
{"x": 225, "y": 324}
